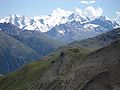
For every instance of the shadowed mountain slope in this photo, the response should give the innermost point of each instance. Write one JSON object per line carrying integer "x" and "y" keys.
{"x": 36, "y": 40}
{"x": 39, "y": 42}
{"x": 14, "y": 54}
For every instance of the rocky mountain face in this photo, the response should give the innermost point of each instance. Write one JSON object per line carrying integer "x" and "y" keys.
{"x": 75, "y": 30}
{"x": 72, "y": 69}
{"x": 9, "y": 28}
{"x": 13, "y": 54}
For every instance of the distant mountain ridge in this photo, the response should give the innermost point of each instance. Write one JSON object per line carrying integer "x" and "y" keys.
{"x": 68, "y": 28}
{"x": 99, "y": 41}
{"x": 42, "y": 23}
{"x": 76, "y": 31}
{"x": 39, "y": 42}
{"x": 45, "y": 23}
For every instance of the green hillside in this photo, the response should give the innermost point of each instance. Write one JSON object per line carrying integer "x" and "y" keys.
{"x": 23, "y": 78}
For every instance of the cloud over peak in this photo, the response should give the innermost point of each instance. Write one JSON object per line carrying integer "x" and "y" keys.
{"x": 92, "y": 12}
{"x": 118, "y": 13}
{"x": 117, "y": 18}
{"x": 87, "y": 1}
{"x": 60, "y": 12}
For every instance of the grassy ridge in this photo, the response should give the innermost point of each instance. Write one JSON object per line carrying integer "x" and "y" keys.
{"x": 23, "y": 78}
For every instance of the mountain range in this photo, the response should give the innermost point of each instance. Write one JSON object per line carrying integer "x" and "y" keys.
{"x": 76, "y": 30}
{"x": 67, "y": 28}
{"x": 99, "y": 41}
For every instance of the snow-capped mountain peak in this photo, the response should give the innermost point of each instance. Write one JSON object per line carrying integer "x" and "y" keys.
{"x": 90, "y": 26}
{"x": 77, "y": 17}
{"x": 59, "y": 16}
{"x": 42, "y": 23}
{"x": 17, "y": 20}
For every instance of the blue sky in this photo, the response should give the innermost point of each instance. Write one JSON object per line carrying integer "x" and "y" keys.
{"x": 42, "y": 7}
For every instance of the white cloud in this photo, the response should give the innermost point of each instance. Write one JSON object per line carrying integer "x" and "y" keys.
{"x": 57, "y": 16}
{"x": 99, "y": 11}
{"x": 118, "y": 13}
{"x": 87, "y": 1}
{"x": 60, "y": 12}
{"x": 92, "y": 12}
{"x": 78, "y": 11}
{"x": 89, "y": 11}
{"x": 117, "y": 18}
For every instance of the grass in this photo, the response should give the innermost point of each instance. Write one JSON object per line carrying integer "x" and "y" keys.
{"x": 23, "y": 78}
{"x": 78, "y": 52}
{"x": 1, "y": 77}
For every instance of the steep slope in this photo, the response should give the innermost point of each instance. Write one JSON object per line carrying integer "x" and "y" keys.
{"x": 13, "y": 54}
{"x": 106, "y": 74}
{"x": 42, "y": 44}
{"x": 9, "y": 28}
{"x": 72, "y": 69}
{"x": 105, "y": 22}
{"x": 99, "y": 41}
{"x": 31, "y": 73}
